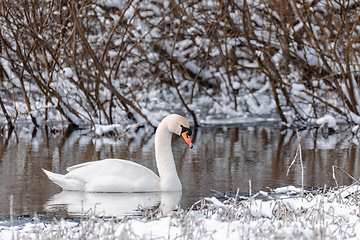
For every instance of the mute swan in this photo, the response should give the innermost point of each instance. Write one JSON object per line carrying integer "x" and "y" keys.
{"x": 117, "y": 175}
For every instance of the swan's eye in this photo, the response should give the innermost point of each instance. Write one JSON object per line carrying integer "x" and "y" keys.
{"x": 187, "y": 130}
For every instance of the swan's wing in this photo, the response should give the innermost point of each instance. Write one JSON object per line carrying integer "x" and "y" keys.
{"x": 69, "y": 169}
{"x": 65, "y": 183}
{"x": 114, "y": 175}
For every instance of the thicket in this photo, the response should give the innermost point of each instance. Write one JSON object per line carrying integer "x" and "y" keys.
{"x": 99, "y": 61}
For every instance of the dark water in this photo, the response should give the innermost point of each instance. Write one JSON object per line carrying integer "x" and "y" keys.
{"x": 223, "y": 159}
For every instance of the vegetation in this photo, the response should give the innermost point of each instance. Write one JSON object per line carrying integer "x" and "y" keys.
{"x": 93, "y": 62}
{"x": 320, "y": 214}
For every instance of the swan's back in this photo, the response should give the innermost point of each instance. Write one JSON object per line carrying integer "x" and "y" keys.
{"x": 108, "y": 175}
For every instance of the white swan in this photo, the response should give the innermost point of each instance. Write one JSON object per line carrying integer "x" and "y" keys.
{"x": 116, "y": 175}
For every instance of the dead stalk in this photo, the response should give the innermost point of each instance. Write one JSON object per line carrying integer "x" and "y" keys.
{"x": 346, "y": 173}
{"x": 333, "y": 174}
{"x": 298, "y": 153}
{"x": 12, "y": 215}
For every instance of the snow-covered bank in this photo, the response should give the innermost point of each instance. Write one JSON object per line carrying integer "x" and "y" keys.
{"x": 319, "y": 215}
{"x": 107, "y": 60}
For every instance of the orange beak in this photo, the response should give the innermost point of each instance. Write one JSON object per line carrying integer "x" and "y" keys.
{"x": 186, "y": 137}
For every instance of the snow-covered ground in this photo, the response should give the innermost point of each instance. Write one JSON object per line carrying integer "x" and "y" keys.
{"x": 279, "y": 214}
{"x": 146, "y": 59}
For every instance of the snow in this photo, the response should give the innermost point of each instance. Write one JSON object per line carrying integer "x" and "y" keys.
{"x": 332, "y": 213}
{"x": 355, "y": 129}
{"x": 327, "y": 119}
{"x": 137, "y": 75}
{"x": 101, "y": 130}
{"x": 68, "y": 72}
{"x": 287, "y": 190}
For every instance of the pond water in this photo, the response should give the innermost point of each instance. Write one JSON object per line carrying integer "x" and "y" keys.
{"x": 224, "y": 158}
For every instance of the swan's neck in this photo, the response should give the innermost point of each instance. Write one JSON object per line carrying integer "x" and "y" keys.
{"x": 169, "y": 180}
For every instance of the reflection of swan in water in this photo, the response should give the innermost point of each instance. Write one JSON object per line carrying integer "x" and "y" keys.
{"x": 111, "y": 204}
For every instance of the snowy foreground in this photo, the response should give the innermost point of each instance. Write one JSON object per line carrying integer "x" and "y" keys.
{"x": 283, "y": 213}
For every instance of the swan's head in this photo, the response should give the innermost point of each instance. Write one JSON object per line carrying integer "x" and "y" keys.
{"x": 180, "y": 126}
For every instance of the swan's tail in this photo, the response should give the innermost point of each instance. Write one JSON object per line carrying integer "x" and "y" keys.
{"x": 64, "y": 182}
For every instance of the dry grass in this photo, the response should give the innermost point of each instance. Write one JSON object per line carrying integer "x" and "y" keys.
{"x": 320, "y": 214}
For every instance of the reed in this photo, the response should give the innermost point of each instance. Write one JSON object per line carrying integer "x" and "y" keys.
{"x": 323, "y": 213}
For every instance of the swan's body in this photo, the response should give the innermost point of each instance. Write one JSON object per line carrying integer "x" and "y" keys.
{"x": 117, "y": 175}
